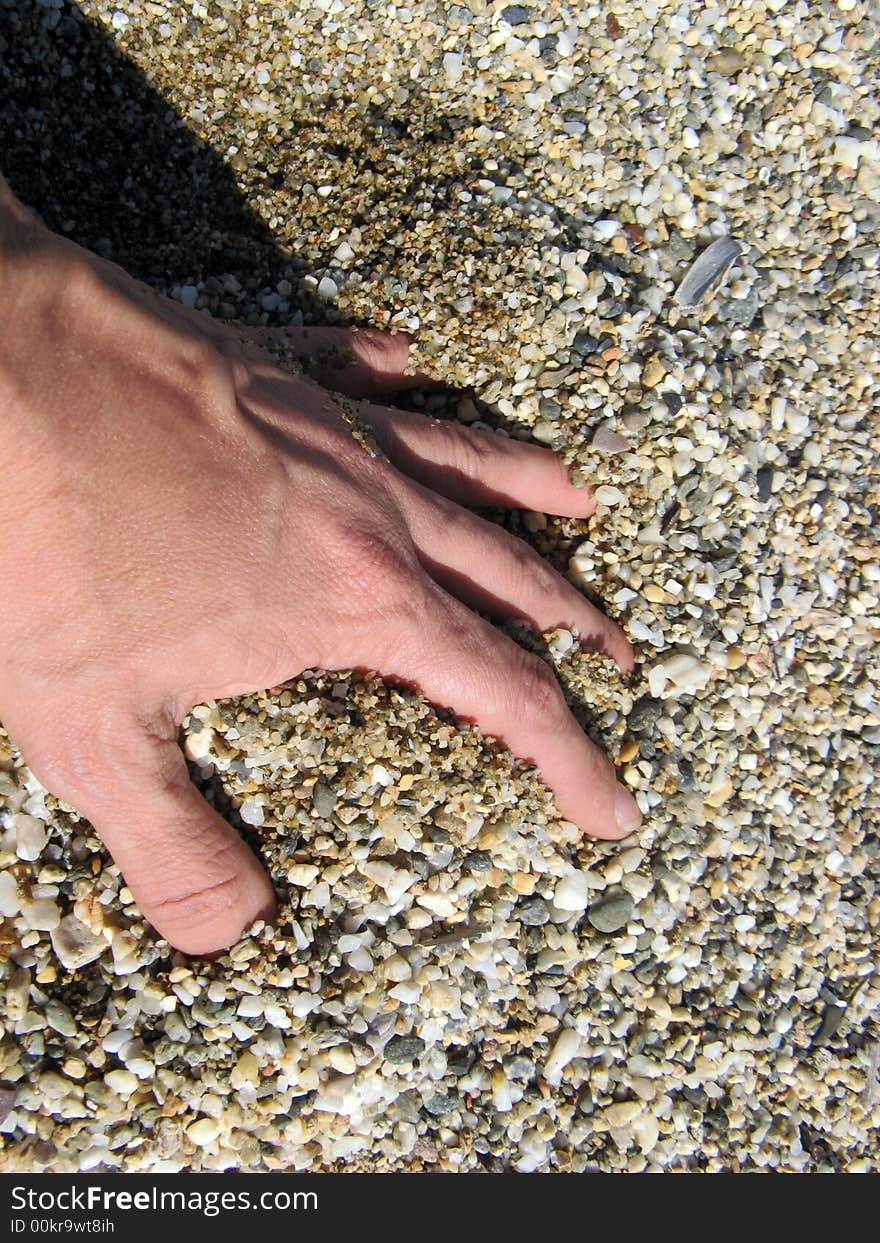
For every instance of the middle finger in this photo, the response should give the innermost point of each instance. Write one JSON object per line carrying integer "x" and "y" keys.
{"x": 493, "y": 571}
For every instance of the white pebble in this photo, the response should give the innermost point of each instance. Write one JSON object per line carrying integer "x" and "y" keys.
{"x": 604, "y": 230}
{"x": 204, "y": 1131}
{"x": 10, "y": 903}
{"x": 327, "y": 289}
{"x": 75, "y": 944}
{"x": 251, "y": 811}
{"x": 607, "y": 495}
{"x": 122, "y": 1082}
{"x": 42, "y": 915}
{"x": 572, "y": 893}
{"x": 395, "y": 881}
{"x": 302, "y": 874}
{"x": 566, "y": 1047}
{"x": 685, "y": 671}
{"x": 30, "y": 837}
{"x": 452, "y": 67}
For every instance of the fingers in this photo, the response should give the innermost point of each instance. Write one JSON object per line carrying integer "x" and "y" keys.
{"x": 192, "y": 876}
{"x": 361, "y": 362}
{"x": 460, "y": 662}
{"x": 476, "y": 467}
{"x": 493, "y": 571}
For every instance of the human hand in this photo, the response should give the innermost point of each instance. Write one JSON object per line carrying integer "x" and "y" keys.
{"x": 181, "y": 520}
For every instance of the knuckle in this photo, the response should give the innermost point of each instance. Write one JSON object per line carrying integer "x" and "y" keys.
{"x": 468, "y": 451}
{"x": 199, "y": 903}
{"x": 537, "y": 692}
{"x": 370, "y": 348}
{"x": 531, "y": 567}
{"x": 376, "y": 561}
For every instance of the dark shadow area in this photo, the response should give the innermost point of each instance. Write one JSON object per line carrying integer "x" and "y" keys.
{"x": 88, "y": 143}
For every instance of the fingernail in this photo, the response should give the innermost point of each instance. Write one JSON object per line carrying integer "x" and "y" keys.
{"x": 626, "y": 810}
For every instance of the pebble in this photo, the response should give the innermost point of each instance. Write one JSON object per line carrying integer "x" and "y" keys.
{"x": 534, "y": 912}
{"x": 566, "y": 1047}
{"x": 611, "y": 912}
{"x": 685, "y": 671}
{"x": 203, "y": 1131}
{"x": 75, "y": 944}
{"x": 10, "y": 902}
{"x": 30, "y": 837}
{"x": 572, "y": 893}
{"x": 608, "y": 442}
{"x": 404, "y": 1049}
{"x": 42, "y": 914}
{"x": 644, "y": 715}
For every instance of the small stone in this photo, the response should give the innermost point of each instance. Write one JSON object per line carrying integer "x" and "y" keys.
{"x": 75, "y": 944}
{"x": 30, "y": 837}
{"x": 251, "y": 811}
{"x": 60, "y": 1019}
{"x": 645, "y": 714}
{"x": 533, "y": 912}
{"x": 302, "y": 874}
{"x": 572, "y": 893}
{"x": 402, "y": 1049}
{"x": 609, "y": 442}
{"x": 453, "y": 67}
{"x": 653, "y": 372}
{"x": 442, "y": 1103}
{"x": 10, "y": 902}
{"x": 608, "y": 495}
{"x": 42, "y": 914}
{"x": 7, "y": 1103}
{"x": 568, "y": 1042}
{"x": 623, "y": 1113}
{"x": 627, "y": 752}
{"x": 728, "y": 62}
{"x": 646, "y": 1132}
{"x": 720, "y": 793}
{"x": 735, "y": 658}
{"x": 395, "y": 881}
{"x": 612, "y": 912}
{"x": 516, "y": 14}
{"x": 203, "y": 1131}
{"x": 324, "y": 800}
{"x": 685, "y": 671}
{"x": 341, "y": 1059}
{"x": 246, "y": 1071}
{"x": 327, "y": 289}
{"x": 121, "y": 1082}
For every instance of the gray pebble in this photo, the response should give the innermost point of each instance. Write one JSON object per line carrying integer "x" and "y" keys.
{"x": 404, "y": 1049}
{"x": 612, "y": 912}
{"x": 533, "y": 912}
{"x": 442, "y": 1103}
{"x": 516, "y": 14}
{"x": 645, "y": 714}
{"x": 324, "y": 800}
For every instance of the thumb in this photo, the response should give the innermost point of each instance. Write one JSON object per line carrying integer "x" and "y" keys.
{"x": 192, "y": 876}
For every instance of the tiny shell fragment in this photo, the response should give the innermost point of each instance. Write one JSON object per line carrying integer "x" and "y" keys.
{"x": 706, "y": 270}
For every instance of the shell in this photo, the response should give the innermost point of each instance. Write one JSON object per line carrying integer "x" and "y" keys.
{"x": 707, "y": 270}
